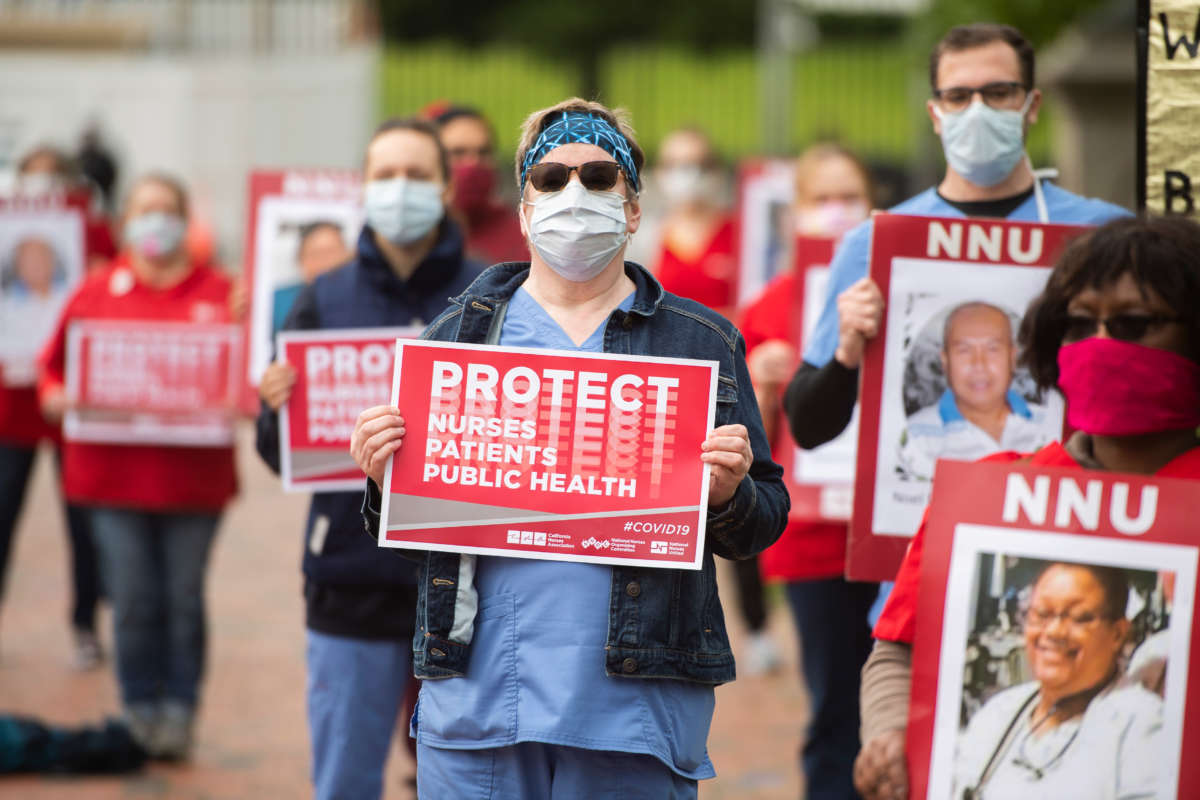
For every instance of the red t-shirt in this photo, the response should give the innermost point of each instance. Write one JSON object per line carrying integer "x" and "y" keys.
{"x": 806, "y": 550}
{"x": 147, "y": 477}
{"x": 898, "y": 622}
{"x": 707, "y": 278}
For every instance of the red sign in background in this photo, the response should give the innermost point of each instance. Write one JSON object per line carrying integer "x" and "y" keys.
{"x": 559, "y": 455}
{"x": 1085, "y": 511}
{"x": 871, "y": 556}
{"x": 339, "y": 374}
{"x": 164, "y": 382}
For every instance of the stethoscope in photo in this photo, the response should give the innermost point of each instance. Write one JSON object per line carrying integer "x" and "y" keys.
{"x": 1011, "y": 733}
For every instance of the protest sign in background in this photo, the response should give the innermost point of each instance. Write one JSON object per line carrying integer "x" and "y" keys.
{"x": 174, "y": 383}
{"x": 280, "y": 204}
{"x": 549, "y": 454}
{"x": 1169, "y": 111}
{"x": 339, "y": 374}
{"x": 766, "y": 190}
{"x": 989, "y": 518}
{"x": 926, "y": 268}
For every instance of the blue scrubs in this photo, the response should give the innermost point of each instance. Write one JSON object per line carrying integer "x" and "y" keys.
{"x": 536, "y": 673}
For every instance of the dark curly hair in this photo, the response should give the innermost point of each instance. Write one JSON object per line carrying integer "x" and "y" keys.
{"x": 1161, "y": 253}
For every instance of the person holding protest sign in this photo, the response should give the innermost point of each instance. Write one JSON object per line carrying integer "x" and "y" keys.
{"x": 360, "y": 602}
{"x": 696, "y": 257}
{"x": 492, "y": 233}
{"x": 153, "y": 509}
{"x": 574, "y": 679}
{"x": 1117, "y": 332}
{"x": 833, "y": 193}
{"x": 984, "y": 101}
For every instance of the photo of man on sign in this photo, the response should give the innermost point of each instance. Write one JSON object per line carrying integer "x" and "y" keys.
{"x": 980, "y": 408}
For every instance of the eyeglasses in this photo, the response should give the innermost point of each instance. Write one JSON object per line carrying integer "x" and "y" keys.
{"x": 1126, "y": 327}
{"x": 1042, "y": 618}
{"x": 998, "y": 94}
{"x": 550, "y": 176}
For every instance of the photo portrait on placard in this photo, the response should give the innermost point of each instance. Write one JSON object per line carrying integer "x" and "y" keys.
{"x": 951, "y": 385}
{"x": 297, "y": 239}
{"x": 1059, "y": 662}
{"x": 41, "y": 261}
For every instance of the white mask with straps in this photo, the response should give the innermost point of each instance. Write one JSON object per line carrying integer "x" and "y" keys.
{"x": 577, "y": 231}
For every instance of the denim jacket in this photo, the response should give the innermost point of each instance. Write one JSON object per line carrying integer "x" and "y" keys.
{"x": 663, "y": 623}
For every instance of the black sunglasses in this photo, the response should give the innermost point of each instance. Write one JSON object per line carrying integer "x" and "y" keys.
{"x": 551, "y": 176}
{"x": 1126, "y": 327}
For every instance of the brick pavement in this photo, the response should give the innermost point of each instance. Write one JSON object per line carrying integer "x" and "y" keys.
{"x": 252, "y": 740}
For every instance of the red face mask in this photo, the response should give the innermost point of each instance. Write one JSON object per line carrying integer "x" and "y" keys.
{"x": 1116, "y": 388}
{"x": 473, "y": 185}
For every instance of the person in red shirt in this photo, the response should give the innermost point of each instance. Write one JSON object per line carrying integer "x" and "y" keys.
{"x": 833, "y": 193}
{"x": 493, "y": 228}
{"x": 45, "y": 170}
{"x": 696, "y": 257}
{"x": 154, "y": 509}
{"x": 1117, "y": 332}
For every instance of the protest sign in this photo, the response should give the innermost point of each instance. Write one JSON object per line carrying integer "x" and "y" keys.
{"x": 766, "y": 189}
{"x": 819, "y": 481}
{"x": 1169, "y": 111}
{"x": 133, "y": 382}
{"x": 339, "y": 374}
{"x": 940, "y": 381}
{"x": 285, "y": 209}
{"x": 1042, "y": 582}
{"x": 550, "y": 454}
{"x": 41, "y": 262}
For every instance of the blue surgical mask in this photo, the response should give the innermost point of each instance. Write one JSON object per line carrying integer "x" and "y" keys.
{"x": 402, "y": 210}
{"x": 983, "y": 144}
{"x": 155, "y": 234}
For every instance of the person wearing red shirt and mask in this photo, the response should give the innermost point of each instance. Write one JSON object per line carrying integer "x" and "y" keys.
{"x": 1117, "y": 332}
{"x": 696, "y": 256}
{"x": 43, "y": 171}
{"x": 493, "y": 229}
{"x": 154, "y": 509}
{"x": 833, "y": 194}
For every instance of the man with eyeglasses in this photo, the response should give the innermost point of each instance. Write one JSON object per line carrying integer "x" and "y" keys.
{"x": 983, "y": 102}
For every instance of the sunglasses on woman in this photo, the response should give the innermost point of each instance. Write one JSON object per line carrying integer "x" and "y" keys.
{"x": 551, "y": 176}
{"x": 1126, "y": 327}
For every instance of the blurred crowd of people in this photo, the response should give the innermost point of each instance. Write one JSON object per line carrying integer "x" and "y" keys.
{"x": 546, "y": 704}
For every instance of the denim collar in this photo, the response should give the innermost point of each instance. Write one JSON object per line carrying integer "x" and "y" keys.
{"x": 498, "y": 283}
{"x": 948, "y": 407}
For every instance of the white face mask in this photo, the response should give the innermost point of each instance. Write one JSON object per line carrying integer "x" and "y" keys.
{"x": 983, "y": 144}
{"x": 832, "y": 219}
{"x": 155, "y": 234}
{"x": 686, "y": 184}
{"x": 577, "y": 231}
{"x": 402, "y": 210}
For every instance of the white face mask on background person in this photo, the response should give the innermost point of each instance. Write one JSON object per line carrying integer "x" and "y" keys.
{"x": 981, "y": 143}
{"x": 832, "y": 219}
{"x": 577, "y": 231}
{"x": 684, "y": 184}
{"x": 402, "y": 210}
{"x": 155, "y": 234}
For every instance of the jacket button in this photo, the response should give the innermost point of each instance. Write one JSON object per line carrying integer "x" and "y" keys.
{"x": 627, "y": 323}
{"x": 629, "y": 666}
{"x": 436, "y": 653}
{"x": 633, "y": 588}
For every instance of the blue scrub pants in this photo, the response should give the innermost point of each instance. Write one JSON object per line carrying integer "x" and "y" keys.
{"x": 546, "y": 772}
{"x": 355, "y": 693}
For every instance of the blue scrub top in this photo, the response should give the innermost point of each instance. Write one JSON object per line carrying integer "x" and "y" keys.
{"x": 536, "y": 672}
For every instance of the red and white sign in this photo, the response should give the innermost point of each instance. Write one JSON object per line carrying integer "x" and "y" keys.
{"x": 133, "y": 382}
{"x": 281, "y": 203}
{"x": 549, "y": 454}
{"x": 913, "y": 414}
{"x": 981, "y": 655}
{"x": 820, "y": 480}
{"x": 766, "y": 190}
{"x": 339, "y": 374}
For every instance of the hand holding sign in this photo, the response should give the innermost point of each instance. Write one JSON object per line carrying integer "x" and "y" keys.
{"x": 276, "y": 385}
{"x": 880, "y": 771}
{"x": 860, "y": 311}
{"x": 727, "y": 451}
{"x": 378, "y": 434}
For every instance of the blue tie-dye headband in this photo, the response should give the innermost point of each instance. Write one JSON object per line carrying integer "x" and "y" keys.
{"x": 583, "y": 126}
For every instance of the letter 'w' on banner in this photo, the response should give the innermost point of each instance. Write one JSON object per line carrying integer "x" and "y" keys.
{"x": 549, "y": 454}
{"x": 942, "y": 372}
{"x": 1168, "y": 107}
{"x": 1017, "y": 561}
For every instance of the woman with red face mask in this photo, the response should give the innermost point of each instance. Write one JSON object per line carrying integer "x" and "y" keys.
{"x": 1117, "y": 332}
